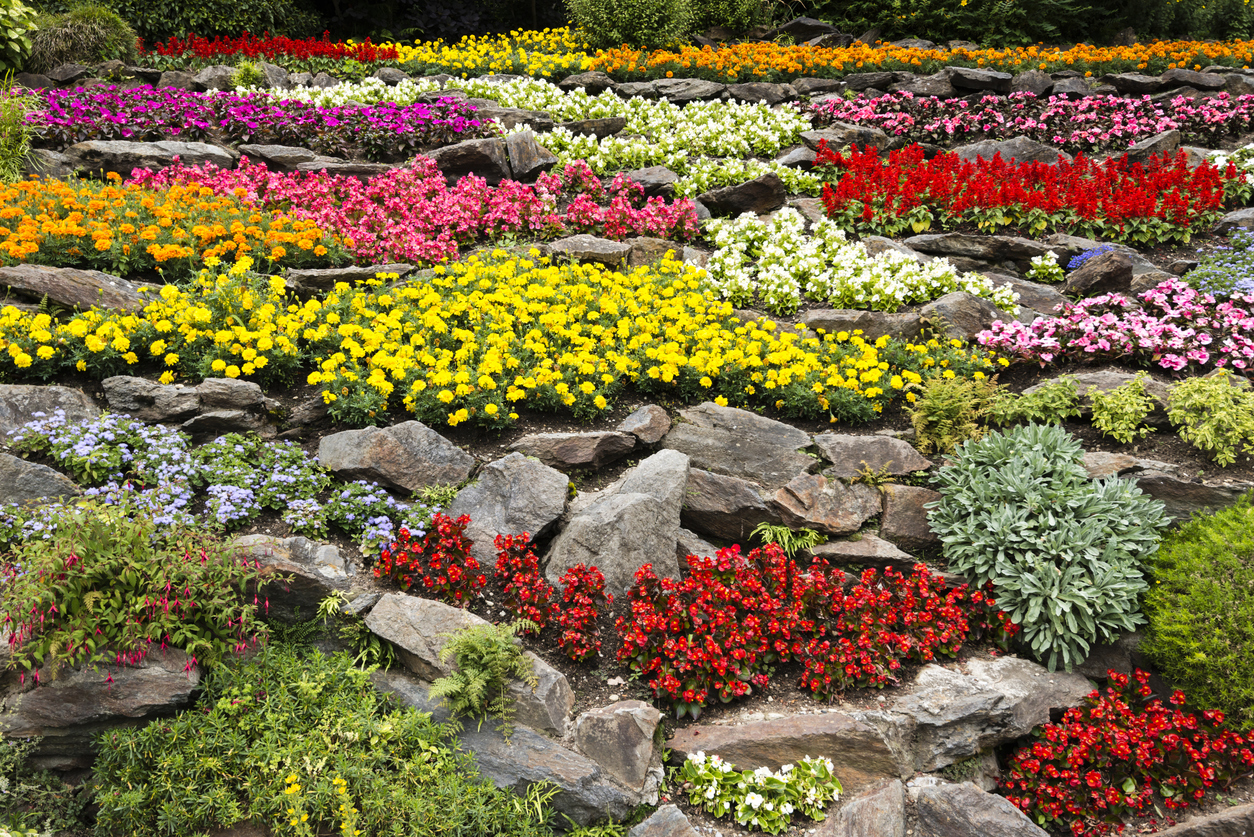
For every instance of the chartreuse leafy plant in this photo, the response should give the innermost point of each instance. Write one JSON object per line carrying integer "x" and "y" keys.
{"x": 1120, "y": 413}
{"x": 1200, "y": 609}
{"x": 1214, "y": 414}
{"x": 1052, "y": 402}
{"x": 1063, "y": 553}
{"x": 947, "y": 411}
{"x": 760, "y": 799}
{"x": 304, "y": 744}
{"x": 15, "y": 131}
{"x": 488, "y": 658}
{"x": 17, "y": 20}
{"x": 110, "y": 585}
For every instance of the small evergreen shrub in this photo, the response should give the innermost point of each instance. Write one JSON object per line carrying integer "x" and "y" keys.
{"x": 488, "y": 657}
{"x": 1120, "y": 413}
{"x": 643, "y": 23}
{"x": 1214, "y": 414}
{"x": 948, "y": 412}
{"x": 1062, "y": 552}
{"x": 86, "y": 34}
{"x": 1201, "y": 607}
{"x": 1051, "y": 403}
{"x": 303, "y": 744}
{"x": 737, "y": 15}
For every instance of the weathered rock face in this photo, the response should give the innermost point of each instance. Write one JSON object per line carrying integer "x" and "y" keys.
{"x": 488, "y": 158}
{"x": 601, "y": 127}
{"x": 656, "y": 180}
{"x": 308, "y": 575}
{"x": 904, "y": 521}
{"x": 866, "y": 551}
{"x": 879, "y": 812}
{"x": 621, "y": 532}
{"x": 512, "y": 495}
{"x": 872, "y": 324}
{"x": 1015, "y": 150}
{"x": 974, "y": 78}
{"x": 1234, "y": 822}
{"x": 680, "y": 90}
{"x": 31, "y": 482}
{"x": 569, "y": 451}
{"x": 852, "y": 455}
{"x": 861, "y": 757}
{"x": 527, "y": 158}
{"x": 1183, "y": 498}
{"x": 585, "y": 792}
{"x": 812, "y": 501}
{"x": 121, "y": 157}
{"x": 1104, "y": 273}
{"x": 648, "y": 424}
{"x": 619, "y": 737}
{"x": 406, "y": 456}
{"x": 68, "y": 711}
{"x": 417, "y": 628}
{"x": 22, "y": 403}
{"x": 764, "y": 193}
{"x": 839, "y": 134}
{"x": 72, "y": 287}
{"x": 966, "y": 811}
{"x": 723, "y": 507}
{"x": 592, "y": 250}
{"x": 667, "y": 821}
{"x": 956, "y": 715}
{"x": 737, "y": 443}
{"x": 961, "y": 316}
{"x": 148, "y": 400}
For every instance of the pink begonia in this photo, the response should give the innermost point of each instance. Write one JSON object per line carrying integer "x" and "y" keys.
{"x": 1175, "y": 326}
{"x": 410, "y": 214}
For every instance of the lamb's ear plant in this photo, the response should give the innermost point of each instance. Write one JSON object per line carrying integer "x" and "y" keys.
{"x": 1062, "y": 552}
{"x": 488, "y": 658}
{"x": 1120, "y": 413}
{"x": 1214, "y": 414}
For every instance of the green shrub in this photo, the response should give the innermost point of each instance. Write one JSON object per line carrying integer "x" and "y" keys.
{"x": 15, "y": 134}
{"x": 986, "y": 22}
{"x": 158, "y": 20}
{"x": 643, "y": 23}
{"x": 86, "y": 34}
{"x": 737, "y": 15}
{"x": 948, "y": 412}
{"x": 1201, "y": 609}
{"x": 16, "y": 22}
{"x": 1214, "y": 414}
{"x": 488, "y": 657}
{"x": 110, "y": 583}
{"x": 304, "y": 744}
{"x": 1061, "y": 551}
{"x": 35, "y": 799}
{"x": 1120, "y": 413}
{"x": 1051, "y": 403}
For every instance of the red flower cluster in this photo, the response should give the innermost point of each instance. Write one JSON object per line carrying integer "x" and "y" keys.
{"x": 583, "y": 600}
{"x": 440, "y": 562}
{"x": 719, "y": 631}
{"x": 527, "y": 594}
{"x": 269, "y": 48}
{"x": 1112, "y": 758}
{"x": 881, "y": 621}
{"x": 1160, "y": 200}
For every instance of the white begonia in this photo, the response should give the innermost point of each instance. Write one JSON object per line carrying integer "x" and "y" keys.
{"x": 754, "y": 800}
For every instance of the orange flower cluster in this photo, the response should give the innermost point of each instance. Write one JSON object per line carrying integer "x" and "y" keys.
{"x": 775, "y": 62}
{"x": 127, "y": 229}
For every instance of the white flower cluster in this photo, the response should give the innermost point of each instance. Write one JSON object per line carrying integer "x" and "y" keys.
{"x": 761, "y": 799}
{"x": 1242, "y": 158}
{"x": 774, "y": 262}
{"x": 1045, "y": 269}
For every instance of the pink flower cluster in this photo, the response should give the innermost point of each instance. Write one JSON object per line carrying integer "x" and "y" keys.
{"x": 1088, "y": 124}
{"x": 1175, "y": 326}
{"x": 410, "y": 214}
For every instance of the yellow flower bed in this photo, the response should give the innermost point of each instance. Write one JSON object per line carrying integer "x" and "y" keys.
{"x": 484, "y": 338}
{"x": 127, "y": 229}
{"x": 547, "y": 53}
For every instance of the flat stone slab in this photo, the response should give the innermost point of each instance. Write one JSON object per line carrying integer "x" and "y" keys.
{"x": 738, "y": 443}
{"x": 73, "y": 288}
{"x": 568, "y": 451}
{"x": 23, "y": 403}
{"x": 853, "y": 455}
{"x": 406, "y": 456}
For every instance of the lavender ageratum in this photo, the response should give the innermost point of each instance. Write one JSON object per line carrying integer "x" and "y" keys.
{"x": 384, "y": 131}
{"x": 109, "y": 448}
{"x": 1227, "y": 271}
{"x": 231, "y": 506}
{"x": 306, "y": 517}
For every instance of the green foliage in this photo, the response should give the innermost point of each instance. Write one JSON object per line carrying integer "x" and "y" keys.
{"x": 436, "y": 496}
{"x": 35, "y": 799}
{"x": 644, "y": 23}
{"x": 290, "y": 730}
{"x": 369, "y": 649}
{"x": 247, "y": 74}
{"x": 15, "y": 134}
{"x": 1198, "y": 19}
{"x": 1062, "y": 552}
{"x": 488, "y": 657}
{"x": 789, "y": 540}
{"x": 986, "y": 22}
{"x": 1201, "y": 607}
{"x": 86, "y": 34}
{"x": 110, "y": 583}
{"x": 1050, "y": 403}
{"x": 16, "y": 22}
{"x": 157, "y": 20}
{"x": 1214, "y": 414}
{"x": 1120, "y": 413}
{"x": 760, "y": 799}
{"x": 947, "y": 412}
{"x": 737, "y": 15}
{"x": 1045, "y": 269}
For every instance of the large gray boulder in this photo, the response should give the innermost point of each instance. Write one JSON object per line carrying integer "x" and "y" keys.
{"x": 121, "y": 157}
{"x": 966, "y": 811}
{"x": 296, "y": 577}
{"x": 961, "y": 316}
{"x": 1109, "y": 272}
{"x": 680, "y": 90}
{"x": 592, "y": 249}
{"x": 147, "y": 400}
{"x": 851, "y": 455}
{"x": 488, "y": 158}
{"x": 1232, "y": 822}
{"x": 72, "y": 287}
{"x": 738, "y": 443}
{"x": 570, "y": 451}
{"x": 31, "y": 482}
{"x": 831, "y": 507}
{"x": 872, "y": 324}
{"x": 764, "y": 193}
{"x": 585, "y": 792}
{"x": 1015, "y": 150}
{"x": 1184, "y": 498}
{"x": 879, "y": 812}
{"x": 904, "y": 520}
{"x": 619, "y": 737}
{"x": 667, "y": 821}
{"x": 23, "y": 403}
{"x": 724, "y": 507}
{"x": 511, "y": 496}
{"x": 406, "y": 456}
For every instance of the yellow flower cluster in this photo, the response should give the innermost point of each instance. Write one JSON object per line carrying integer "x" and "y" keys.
{"x": 484, "y": 338}
{"x": 126, "y": 229}
{"x": 547, "y": 53}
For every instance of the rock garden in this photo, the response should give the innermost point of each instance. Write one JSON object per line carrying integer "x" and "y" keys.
{"x": 740, "y": 425}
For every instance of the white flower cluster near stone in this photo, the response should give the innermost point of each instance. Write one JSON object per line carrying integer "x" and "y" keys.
{"x": 775, "y": 263}
{"x": 1242, "y": 158}
{"x": 760, "y": 799}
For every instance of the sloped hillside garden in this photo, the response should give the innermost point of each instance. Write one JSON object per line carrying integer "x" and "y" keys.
{"x": 887, "y": 433}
